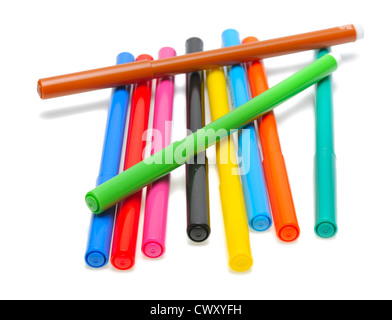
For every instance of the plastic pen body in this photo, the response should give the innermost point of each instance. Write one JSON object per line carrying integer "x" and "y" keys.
{"x": 101, "y": 226}
{"x": 157, "y": 198}
{"x": 252, "y": 175}
{"x": 282, "y": 204}
{"x": 161, "y": 163}
{"x": 231, "y": 193}
{"x": 325, "y": 159}
{"x": 147, "y": 70}
{"x": 198, "y": 218}
{"x": 128, "y": 212}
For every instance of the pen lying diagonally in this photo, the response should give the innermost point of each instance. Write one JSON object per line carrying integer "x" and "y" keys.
{"x": 166, "y": 160}
{"x": 115, "y": 76}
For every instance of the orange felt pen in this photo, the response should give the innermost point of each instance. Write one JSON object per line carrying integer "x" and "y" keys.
{"x": 282, "y": 204}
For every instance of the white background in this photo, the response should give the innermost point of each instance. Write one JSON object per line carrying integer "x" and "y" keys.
{"x": 50, "y": 153}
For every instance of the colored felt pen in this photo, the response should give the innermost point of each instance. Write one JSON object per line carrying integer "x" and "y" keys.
{"x": 230, "y": 188}
{"x": 126, "y": 224}
{"x": 101, "y": 226}
{"x": 282, "y": 204}
{"x": 198, "y": 217}
{"x": 175, "y": 155}
{"x": 252, "y": 175}
{"x": 325, "y": 159}
{"x": 146, "y": 70}
{"x": 157, "y": 197}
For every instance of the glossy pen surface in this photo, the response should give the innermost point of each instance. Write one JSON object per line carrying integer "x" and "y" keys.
{"x": 198, "y": 215}
{"x": 157, "y": 197}
{"x": 325, "y": 159}
{"x": 282, "y": 204}
{"x": 101, "y": 227}
{"x": 230, "y": 187}
{"x": 175, "y": 155}
{"x": 126, "y": 224}
{"x": 114, "y": 76}
{"x": 252, "y": 174}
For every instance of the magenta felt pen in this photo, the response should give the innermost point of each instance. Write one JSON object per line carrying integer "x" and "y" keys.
{"x": 157, "y": 198}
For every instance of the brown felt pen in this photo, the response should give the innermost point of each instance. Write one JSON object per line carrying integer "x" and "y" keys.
{"x": 124, "y": 74}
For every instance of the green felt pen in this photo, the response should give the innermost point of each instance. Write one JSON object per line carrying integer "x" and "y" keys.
{"x": 325, "y": 159}
{"x": 161, "y": 163}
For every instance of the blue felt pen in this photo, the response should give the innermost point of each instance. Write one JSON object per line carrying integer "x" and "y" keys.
{"x": 101, "y": 226}
{"x": 252, "y": 175}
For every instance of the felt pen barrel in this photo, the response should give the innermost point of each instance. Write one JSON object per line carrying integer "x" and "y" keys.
{"x": 198, "y": 217}
{"x": 325, "y": 159}
{"x": 101, "y": 226}
{"x": 252, "y": 175}
{"x": 126, "y": 224}
{"x": 175, "y": 155}
{"x": 282, "y": 204}
{"x": 157, "y": 197}
{"x": 146, "y": 70}
{"x": 230, "y": 187}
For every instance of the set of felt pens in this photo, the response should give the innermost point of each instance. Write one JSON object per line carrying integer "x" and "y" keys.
{"x": 254, "y": 186}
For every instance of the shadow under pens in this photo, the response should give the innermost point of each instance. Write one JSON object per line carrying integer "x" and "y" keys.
{"x": 74, "y": 110}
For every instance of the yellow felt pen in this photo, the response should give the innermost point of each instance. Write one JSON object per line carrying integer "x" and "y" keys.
{"x": 231, "y": 193}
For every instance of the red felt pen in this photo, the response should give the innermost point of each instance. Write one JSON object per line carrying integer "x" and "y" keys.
{"x": 128, "y": 212}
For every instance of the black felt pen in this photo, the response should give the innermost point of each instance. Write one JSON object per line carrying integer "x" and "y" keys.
{"x": 198, "y": 218}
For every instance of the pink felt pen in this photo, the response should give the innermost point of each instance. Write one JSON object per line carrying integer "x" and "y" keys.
{"x": 154, "y": 231}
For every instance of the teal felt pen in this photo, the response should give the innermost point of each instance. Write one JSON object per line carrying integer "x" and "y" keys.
{"x": 325, "y": 160}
